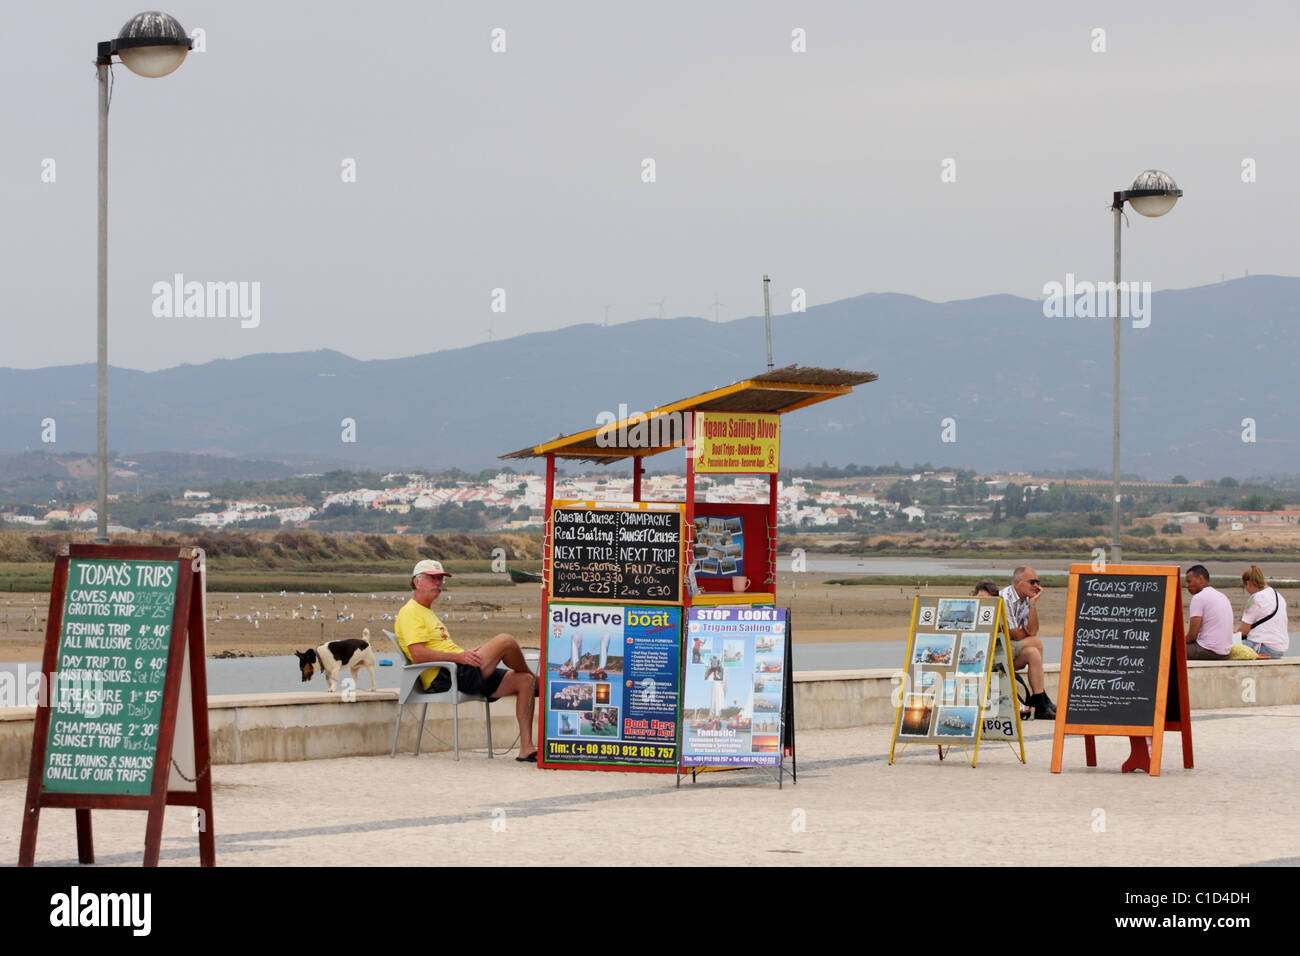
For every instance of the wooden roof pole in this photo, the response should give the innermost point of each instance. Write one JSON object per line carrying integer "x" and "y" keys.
{"x": 771, "y": 530}
{"x": 548, "y": 571}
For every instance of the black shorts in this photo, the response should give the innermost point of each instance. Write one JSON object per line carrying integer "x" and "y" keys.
{"x": 469, "y": 680}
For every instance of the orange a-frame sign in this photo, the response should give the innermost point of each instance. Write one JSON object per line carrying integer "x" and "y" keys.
{"x": 1124, "y": 662}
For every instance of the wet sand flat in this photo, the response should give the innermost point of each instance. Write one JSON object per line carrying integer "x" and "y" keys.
{"x": 821, "y": 612}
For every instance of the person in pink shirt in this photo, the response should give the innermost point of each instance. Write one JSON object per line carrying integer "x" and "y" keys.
{"x": 1209, "y": 638}
{"x": 1209, "y": 635}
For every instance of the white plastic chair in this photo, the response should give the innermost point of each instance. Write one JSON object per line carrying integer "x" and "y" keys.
{"x": 411, "y": 691}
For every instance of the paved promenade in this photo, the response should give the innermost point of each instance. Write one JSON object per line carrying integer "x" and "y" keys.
{"x": 1241, "y": 805}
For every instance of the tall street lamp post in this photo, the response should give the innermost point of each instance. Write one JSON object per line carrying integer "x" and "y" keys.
{"x": 151, "y": 44}
{"x": 1152, "y": 194}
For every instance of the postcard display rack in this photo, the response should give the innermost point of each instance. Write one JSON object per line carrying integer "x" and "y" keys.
{"x": 958, "y": 685}
{"x": 123, "y": 722}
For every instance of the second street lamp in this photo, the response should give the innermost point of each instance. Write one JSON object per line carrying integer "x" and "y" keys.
{"x": 151, "y": 44}
{"x": 1152, "y": 194}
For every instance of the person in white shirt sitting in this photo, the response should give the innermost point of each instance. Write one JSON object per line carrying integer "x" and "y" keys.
{"x": 1263, "y": 623}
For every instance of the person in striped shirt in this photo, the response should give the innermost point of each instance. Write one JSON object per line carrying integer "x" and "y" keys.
{"x": 1020, "y": 599}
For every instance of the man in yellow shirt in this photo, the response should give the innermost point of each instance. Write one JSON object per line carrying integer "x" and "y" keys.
{"x": 424, "y": 638}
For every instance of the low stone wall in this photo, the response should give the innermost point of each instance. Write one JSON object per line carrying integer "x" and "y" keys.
{"x": 252, "y": 728}
{"x": 828, "y": 699}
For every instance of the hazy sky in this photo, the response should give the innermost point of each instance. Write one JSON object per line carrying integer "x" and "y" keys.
{"x": 522, "y": 170}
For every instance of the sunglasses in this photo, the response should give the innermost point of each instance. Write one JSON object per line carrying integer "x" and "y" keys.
{"x": 1033, "y": 580}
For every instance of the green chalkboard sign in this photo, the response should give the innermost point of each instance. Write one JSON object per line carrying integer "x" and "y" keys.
{"x": 106, "y": 695}
{"x": 123, "y": 722}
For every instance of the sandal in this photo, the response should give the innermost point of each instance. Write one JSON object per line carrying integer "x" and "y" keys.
{"x": 531, "y": 758}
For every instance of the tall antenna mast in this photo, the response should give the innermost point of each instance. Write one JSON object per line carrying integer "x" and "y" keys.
{"x": 767, "y": 315}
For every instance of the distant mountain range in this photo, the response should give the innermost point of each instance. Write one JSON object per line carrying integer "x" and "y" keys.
{"x": 1024, "y": 391}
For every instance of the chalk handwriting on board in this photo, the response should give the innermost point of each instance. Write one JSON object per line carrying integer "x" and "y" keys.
{"x": 108, "y": 632}
{"x": 616, "y": 555}
{"x": 1115, "y": 655}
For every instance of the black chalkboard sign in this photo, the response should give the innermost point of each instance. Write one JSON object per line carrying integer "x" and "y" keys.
{"x": 620, "y": 554}
{"x": 1123, "y": 661}
{"x": 1115, "y": 652}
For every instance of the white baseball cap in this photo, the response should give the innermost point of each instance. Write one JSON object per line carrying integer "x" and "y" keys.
{"x": 429, "y": 567}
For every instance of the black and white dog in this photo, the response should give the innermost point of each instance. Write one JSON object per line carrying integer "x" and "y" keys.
{"x": 353, "y": 653}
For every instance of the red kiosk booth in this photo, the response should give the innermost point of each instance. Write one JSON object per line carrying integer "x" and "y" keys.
{"x": 731, "y": 547}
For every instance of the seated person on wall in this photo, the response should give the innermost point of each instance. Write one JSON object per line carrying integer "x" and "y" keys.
{"x": 424, "y": 638}
{"x": 1209, "y": 631}
{"x": 1019, "y": 599}
{"x": 1263, "y": 622}
{"x": 989, "y": 589}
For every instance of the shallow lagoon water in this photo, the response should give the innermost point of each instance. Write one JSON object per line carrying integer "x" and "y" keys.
{"x": 280, "y": 675}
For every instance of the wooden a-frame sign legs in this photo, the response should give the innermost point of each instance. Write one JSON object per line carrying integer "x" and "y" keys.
{"x": 184, "y": 701}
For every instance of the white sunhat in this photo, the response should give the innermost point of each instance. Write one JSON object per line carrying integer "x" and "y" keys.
{"x": 429, "y": 566}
